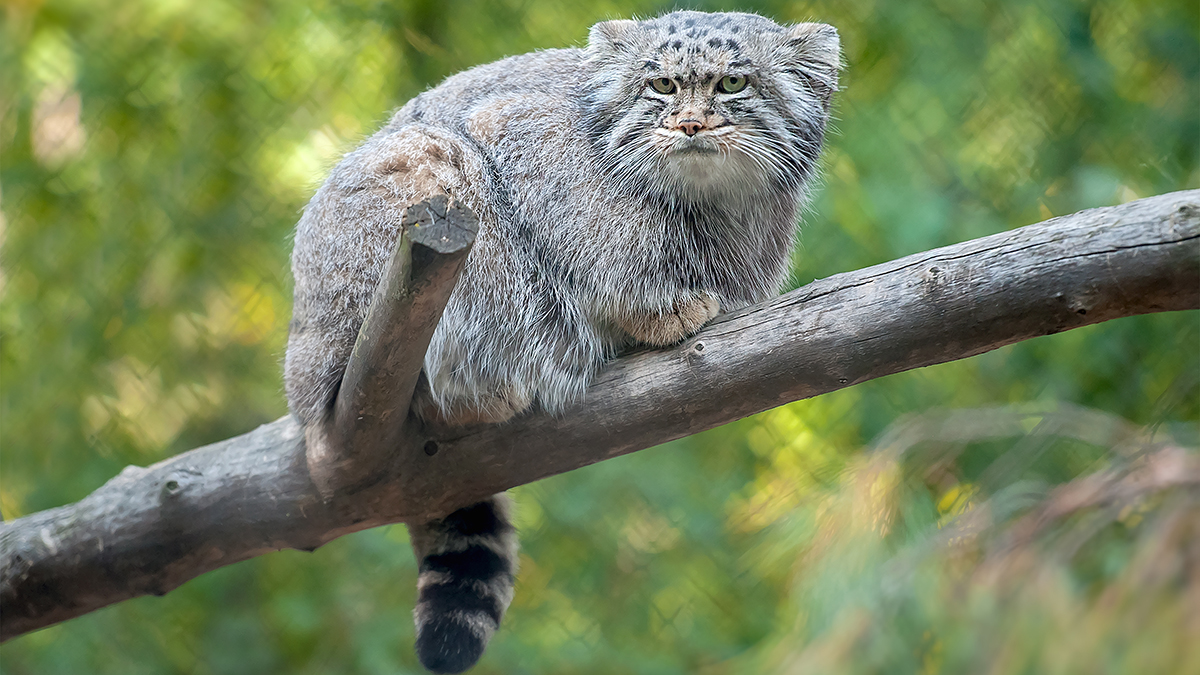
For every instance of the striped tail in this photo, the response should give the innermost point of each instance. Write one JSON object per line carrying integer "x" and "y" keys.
{"x": 468, "y": 562}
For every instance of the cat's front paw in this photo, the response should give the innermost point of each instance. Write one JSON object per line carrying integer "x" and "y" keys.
{"x": 660, "y": 330}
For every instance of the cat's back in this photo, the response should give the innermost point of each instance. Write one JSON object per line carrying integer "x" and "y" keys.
{"x": 516, "y": 90}
{"x": 525, "y": 115}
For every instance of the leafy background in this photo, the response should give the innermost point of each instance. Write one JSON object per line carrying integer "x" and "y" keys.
{"x": 155, "y": 156}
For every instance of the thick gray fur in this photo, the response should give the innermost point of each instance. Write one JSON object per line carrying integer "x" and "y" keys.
{"x": 603, "y": 222}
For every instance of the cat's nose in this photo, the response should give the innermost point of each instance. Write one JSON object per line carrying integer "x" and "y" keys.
{"x": 689, "y": 127}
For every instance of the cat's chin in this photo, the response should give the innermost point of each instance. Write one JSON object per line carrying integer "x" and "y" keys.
{"x": 703, "y": 170}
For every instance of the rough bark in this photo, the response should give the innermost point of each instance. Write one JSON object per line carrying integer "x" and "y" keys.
{"x": 150, "y": 529}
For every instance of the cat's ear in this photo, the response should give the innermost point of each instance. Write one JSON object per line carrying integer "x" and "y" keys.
{"x": 817, "y": 42}
{"x": 816, "y": 48}
{"x": 613, "y": 36}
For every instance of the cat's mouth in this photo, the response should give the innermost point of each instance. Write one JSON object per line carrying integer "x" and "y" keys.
{"x": 694, "y": 149}
{"x": 694, "y": 145}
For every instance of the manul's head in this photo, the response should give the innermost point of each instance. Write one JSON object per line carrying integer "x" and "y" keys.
{"x": 700, "y": 105}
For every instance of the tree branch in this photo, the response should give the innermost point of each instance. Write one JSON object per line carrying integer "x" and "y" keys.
{"x": 150, "y": 529}
{"x": 369, "y": 415}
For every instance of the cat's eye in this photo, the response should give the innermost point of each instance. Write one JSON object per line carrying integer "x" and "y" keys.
{"x": 731, "y": 84}
{"x": 663, "y": 85}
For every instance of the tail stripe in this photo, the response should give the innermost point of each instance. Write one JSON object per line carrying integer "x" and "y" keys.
{"x": 475, "y": 562}
{"x": 478, "y": 519}
{"x": 468, "y": 564}
{"x": 466, "y": 599}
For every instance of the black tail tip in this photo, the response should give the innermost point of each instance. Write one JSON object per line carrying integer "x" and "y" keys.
{"x": 447, "y": 646}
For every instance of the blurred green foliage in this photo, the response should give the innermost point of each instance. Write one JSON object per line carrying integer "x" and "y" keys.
{"x": 156, "y": 153}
